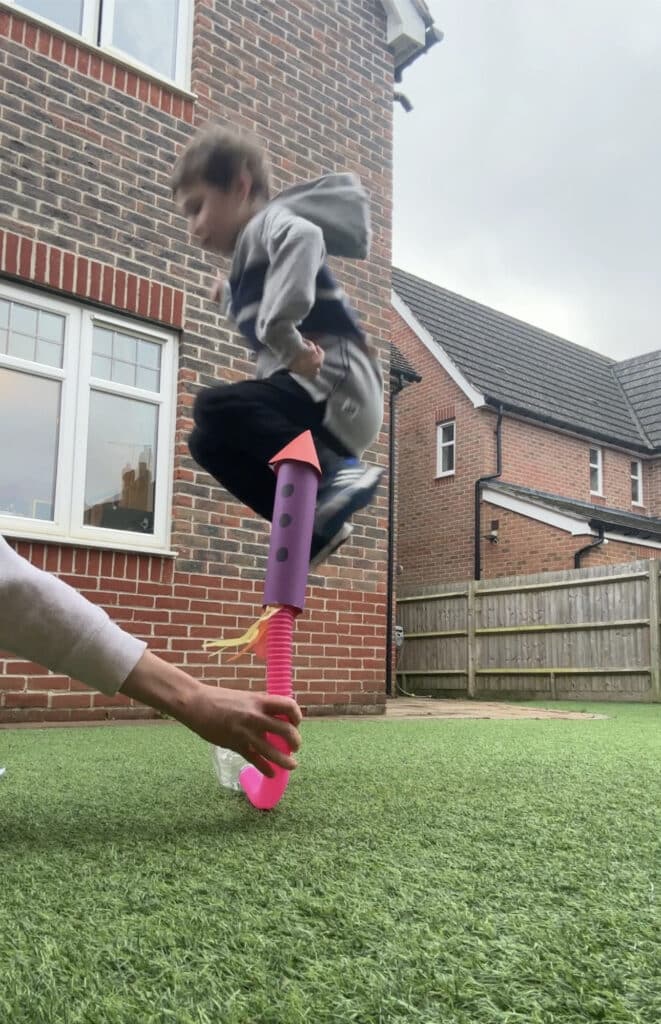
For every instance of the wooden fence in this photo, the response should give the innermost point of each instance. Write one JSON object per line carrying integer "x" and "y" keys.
{"x": 584, "y": 634}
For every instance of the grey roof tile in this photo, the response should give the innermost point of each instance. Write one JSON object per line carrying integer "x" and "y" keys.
{"x": 526, "y": 368}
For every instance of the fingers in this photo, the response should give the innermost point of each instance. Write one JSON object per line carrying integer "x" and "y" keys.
{"x": 283, "y": 707}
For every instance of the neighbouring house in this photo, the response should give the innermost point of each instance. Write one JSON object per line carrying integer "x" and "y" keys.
{"x": 519, "y": 452}
{"x": 107, "y": 334}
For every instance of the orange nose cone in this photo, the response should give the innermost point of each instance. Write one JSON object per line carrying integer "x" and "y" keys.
{"x": 301, "y": 449}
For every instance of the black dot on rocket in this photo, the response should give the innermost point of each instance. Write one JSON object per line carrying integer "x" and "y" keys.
{"x": 282, "y": 554}
{"x": 285, "y": 519}
{"x": 287, "y": 490}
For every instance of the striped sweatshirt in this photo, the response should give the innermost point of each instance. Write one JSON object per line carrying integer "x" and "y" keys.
{"x": 280, "y": 290}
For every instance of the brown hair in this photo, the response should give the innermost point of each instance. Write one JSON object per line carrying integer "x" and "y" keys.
{"x": 217, "y": 156}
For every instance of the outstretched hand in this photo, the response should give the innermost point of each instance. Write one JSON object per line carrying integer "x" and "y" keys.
{"x": 241, "y": 721}
{"x": 235, "y": 719}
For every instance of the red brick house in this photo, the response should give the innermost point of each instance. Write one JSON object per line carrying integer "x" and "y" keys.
{"x": 106, "y": 331}
{"x": 519, "y": 452}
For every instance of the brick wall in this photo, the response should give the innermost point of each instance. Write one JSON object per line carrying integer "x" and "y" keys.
{"x": 85, "y": 210}
{"x": 436, "y": 516}
{"x": 550, "y": 461}
{"x": 525, "y": 546}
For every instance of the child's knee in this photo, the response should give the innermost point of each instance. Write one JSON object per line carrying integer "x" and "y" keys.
{"x": 210, "y": 407}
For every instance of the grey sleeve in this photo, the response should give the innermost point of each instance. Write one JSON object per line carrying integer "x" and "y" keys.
{"x": 296, "y": 252}
{"x": 46, "y": 621}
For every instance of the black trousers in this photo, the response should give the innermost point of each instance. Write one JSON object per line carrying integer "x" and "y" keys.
{"x": 240, "y": 427}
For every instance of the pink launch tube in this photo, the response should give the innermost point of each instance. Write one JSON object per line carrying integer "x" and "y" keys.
{"x": 262, "y": 792}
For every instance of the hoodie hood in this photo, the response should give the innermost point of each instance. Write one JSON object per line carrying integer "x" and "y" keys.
{"x": 339, "y": 205}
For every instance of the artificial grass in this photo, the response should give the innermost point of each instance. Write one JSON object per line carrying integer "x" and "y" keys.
{"x": 474, "y": 872}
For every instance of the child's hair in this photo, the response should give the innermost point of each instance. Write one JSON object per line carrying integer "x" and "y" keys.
{"x": 217, "y": 156}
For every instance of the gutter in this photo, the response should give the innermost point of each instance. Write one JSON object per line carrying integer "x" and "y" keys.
{"x": 479, "y": 484}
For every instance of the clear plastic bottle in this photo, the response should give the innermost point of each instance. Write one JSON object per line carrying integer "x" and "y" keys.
{"x": 227, "y": 764}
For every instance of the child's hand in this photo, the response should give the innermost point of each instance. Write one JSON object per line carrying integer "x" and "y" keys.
{"x": 217, "y": 288}
{"x": 308, "y": 363}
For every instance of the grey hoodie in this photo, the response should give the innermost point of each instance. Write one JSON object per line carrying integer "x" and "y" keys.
{"x": 44, "y": 620}
{"x": 280, "y": 290}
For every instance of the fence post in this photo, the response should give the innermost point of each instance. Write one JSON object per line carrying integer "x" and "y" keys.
{"x": 655, "y": 655}
{"x": 470, "y": 639}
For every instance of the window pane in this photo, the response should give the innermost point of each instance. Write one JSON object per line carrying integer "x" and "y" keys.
{"x": 448, "y": 432}
{"x": 147, "y": 379}
{"x": 121, "y": 460}
{"x": 124, "y": 348}
{"x": 4, "y": 313}
{"x": 124, "y": 359}
{"x": 51, "y": 327}
{"x": 28, "y": 465}
{"x": 594, "y": 479}
{"x": 21, "y": 345}
{"x": 594, "y": 456}
{"x": 149, "y": 354}
{"x": 34, "y": 334}
{"x": 147, "y": 30}
{"x": 102, "y": 342}
{"x": 635, "y": 491}
{"x": 24, "y": 319}
{"x": 123, "y": 373}
{"x": 448, "y": 459}
{"x": 67, "y": 13}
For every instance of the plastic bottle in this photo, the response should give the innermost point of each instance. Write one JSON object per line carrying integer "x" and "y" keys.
{"x": 227, "y": 764}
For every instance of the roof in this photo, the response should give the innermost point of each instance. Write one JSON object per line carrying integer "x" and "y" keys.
{"x": 400, "y": 366}
{"x": 537, "y": 374}
{"x": 615, "y": 520}
{"x": 640, "y": 378}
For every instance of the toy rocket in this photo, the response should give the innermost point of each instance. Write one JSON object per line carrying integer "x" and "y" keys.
{"x": 298, "y": 471}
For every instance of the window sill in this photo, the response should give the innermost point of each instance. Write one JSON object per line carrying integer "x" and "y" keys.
{"x": 56, "y": 540}
{"x": 444, "y": 476}
{"x": 103, "y": 52}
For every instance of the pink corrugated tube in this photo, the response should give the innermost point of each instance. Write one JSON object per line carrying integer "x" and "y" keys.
{"x": 262, "y": 792}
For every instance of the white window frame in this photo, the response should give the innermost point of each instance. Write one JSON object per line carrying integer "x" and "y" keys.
{"x": 77, "y": 383}
{"x": 638, "y": 479}
{"x": 599, "y": 466}
{"x": 96, "y": 31}
{"x": 441, "y": 445}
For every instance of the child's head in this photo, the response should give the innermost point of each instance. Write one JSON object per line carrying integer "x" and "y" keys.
{"x": 220, "y": 180}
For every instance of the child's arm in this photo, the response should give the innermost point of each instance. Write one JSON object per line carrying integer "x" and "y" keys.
{"x": 296, "y": 252}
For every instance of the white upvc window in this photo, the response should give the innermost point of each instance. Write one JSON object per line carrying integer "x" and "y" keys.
{"x": 597, "y": 472}
{"x": 87, "y": 405}
{"x": 636, "y": 482}
{"x": 445, "y": 448}
{"x": 153, "y": 34}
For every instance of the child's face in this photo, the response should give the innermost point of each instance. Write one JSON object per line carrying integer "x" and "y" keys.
{"x": 215, "y": 217}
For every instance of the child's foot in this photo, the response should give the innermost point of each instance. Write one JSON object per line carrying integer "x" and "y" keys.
{"x": 349, "y": 489}
{"x": 323, "y": 547}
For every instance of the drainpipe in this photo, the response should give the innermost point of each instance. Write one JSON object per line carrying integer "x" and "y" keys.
{"x": 395, "y": 388}
{"x": 478, "y": 493}
{"x": 596, "y": 543}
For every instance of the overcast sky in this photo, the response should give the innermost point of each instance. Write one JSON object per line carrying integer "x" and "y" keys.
{"x": 528, "y": 175}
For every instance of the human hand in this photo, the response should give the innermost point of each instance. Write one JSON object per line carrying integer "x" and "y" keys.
{"x": 216, "y": 291}
{"x": 224, "y": 717}
{"x": 240, "y": 721}
{"x": 309, "y": 362}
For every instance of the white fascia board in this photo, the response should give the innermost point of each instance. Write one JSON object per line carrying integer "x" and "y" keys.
{"x": 439, "y": 354}
{"x": 574, "y": 526}
{"x": 561, "y": 521}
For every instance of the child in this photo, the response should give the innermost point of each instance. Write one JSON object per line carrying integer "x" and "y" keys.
{"x": 315, "y": 367}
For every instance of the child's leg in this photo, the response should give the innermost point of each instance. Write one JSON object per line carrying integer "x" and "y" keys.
{"x": 240, "y": 427}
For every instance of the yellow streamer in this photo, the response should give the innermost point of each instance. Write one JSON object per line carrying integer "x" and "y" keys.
{"x": 254, "y": 639}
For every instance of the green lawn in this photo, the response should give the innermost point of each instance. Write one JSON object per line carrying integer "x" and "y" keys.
{"x": 429, "y": 871}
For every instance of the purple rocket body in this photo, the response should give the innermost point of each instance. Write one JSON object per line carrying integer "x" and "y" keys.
{"x": 298, "y": 472}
